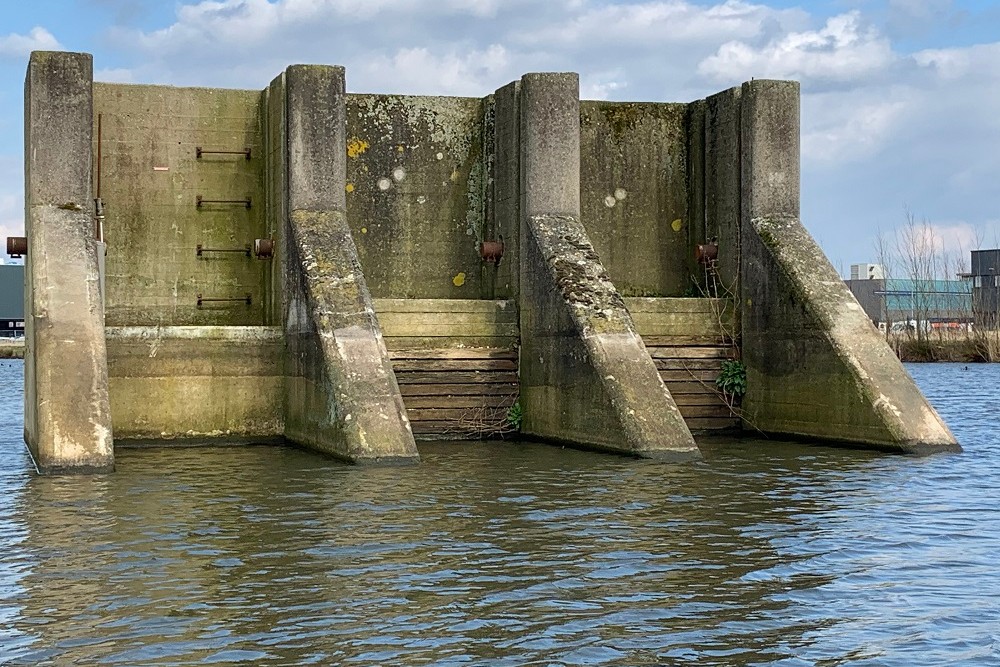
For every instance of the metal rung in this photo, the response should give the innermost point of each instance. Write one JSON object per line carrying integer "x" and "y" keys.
{"x": 217, "y": 299}
{"x": 199, "y": 151}
{"x": 199, "y": 201}
{"x": 199, "y": 249}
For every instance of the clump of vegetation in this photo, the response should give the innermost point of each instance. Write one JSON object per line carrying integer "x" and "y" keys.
{"x": 732, "y": 379}
{"x": 514, "y": 416}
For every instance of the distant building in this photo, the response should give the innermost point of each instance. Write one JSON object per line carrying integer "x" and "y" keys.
{"x": 11, "y": 300}
{"x": 867, "y": 272}
{"x": 984, "y": 279}
{"x": 931, "y": 304}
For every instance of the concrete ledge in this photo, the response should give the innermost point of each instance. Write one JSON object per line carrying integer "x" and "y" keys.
{"x": 196, "y": 383}
{"x": 816, "y": 367}
{"x": 586, "y": 378}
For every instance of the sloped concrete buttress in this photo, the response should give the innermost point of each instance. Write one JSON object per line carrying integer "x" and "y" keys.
{"x": 341, "y": 394}
{"x": 816, "y": 367}
{"x": 586, "y": 377}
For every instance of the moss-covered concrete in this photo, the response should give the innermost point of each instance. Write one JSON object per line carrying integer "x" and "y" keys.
{"x": 198, "y": 383}
{"x": 416, "y": 193}
{"x": 633, "y": 194}
{"x": 342, "y": 397}
{"x": 150, "y": 178}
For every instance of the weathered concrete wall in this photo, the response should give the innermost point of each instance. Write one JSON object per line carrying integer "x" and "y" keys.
{"x": 67, "y": 421}
{"x": 201, "y": 383}
{"x": 816, "y": 366}
{"x": 586, "y": 378}
{"x": 150, "y": 177}
{"x": 722, "y": 182}
{"x": 504, "y": 221}
{"x": 416, "y": 179}
{"x": 342, "y": 397}
{"x": 634, "y": 198}
{"x": 276, "y": 195}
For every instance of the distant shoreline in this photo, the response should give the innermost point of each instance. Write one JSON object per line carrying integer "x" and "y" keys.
{"x": 12, "y": 349}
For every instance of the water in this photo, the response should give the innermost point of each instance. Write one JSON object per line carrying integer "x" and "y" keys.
{"x": 511, "y": 554}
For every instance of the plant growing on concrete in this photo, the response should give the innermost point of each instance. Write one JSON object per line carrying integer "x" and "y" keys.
{"x": 514, "y": 416}
{"x": 733, "y": 378}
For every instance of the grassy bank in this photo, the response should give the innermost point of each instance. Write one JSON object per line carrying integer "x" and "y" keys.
{"x": 960, "y": 346}
{"x": 12, "y": 350}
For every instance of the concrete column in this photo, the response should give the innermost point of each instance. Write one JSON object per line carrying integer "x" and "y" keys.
{"x": 342, "y": 397}
{"x": 67, "y": 416}
{"x": 816, "y": 367}
{"x": 769, "y": 131}
{"x": 586, "y": 378}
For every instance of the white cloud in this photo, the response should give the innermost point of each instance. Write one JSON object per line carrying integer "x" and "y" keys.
{"x": 845, "y": 49}
{"x": 20, "y": 46}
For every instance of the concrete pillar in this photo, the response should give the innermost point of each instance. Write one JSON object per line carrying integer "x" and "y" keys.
{"x": 67, "y": 417}
{"x": 586, "y": 378}
{"x": 342, "y": 397}
{"x": 816, "y": 367}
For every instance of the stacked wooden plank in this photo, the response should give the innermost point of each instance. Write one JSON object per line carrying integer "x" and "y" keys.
{"x": 456, "y": 364}
{"x": 688, "y": 340}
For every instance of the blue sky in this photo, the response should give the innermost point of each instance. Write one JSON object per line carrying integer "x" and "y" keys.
{"x": 900, "y": 98}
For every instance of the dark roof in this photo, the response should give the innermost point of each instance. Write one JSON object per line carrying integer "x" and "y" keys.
{"x": 11, "y": 291}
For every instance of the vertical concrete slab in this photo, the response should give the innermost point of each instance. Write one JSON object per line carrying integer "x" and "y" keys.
{"x": 342, "y": 397}
{"x": 816, "y": 367}
{"x": 67, "y": 422}
{"x": 586, "y": 378}
{"x": 506, "y": 176}
{"x": 722, "y": 182}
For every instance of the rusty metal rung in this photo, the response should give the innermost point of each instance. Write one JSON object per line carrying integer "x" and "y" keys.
{"x": 199, "y": 151}
{"x": 217, "y": 299}
{"x": 199, "y": 249}
{"x": 199, "y": 201}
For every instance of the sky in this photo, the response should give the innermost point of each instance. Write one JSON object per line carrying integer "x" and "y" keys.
{"x": 900, "y": 98}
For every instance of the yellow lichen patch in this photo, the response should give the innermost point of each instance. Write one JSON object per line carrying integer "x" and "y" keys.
{"x": 364, "y": 230}
{"x": 356, "y": 147}
{"x": 400, "y": 149}
{"x": 459, "y": 280}
{"x": 454, "y": 175}
{"x": 350, "y": 187}
{"x": 677, "y": 224}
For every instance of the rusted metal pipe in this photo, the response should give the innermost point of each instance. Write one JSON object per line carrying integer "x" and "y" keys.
{"x": 263, "y": 248}
{"x": 17, "y": 246}
{"x": 491, "y": 251}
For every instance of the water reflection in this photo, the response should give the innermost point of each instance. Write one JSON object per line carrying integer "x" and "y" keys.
{"x": 507, "y": 554}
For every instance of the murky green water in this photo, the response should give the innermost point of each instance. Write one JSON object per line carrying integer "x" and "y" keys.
{"x": 511, "y": 554}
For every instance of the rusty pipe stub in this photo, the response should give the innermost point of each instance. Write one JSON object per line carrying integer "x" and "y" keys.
{"x": 263, "y": 248}
{"x": 707, "y": 253}
{"x": 491, "y": 251}
{"x": 17, "y": 246}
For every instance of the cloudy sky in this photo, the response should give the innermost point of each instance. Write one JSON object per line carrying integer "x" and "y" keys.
{"x": 900, "y": 98}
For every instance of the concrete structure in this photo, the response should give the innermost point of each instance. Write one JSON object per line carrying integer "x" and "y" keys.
{"x": 867, "y": 272}
{"x": 11, "y": 301}
{"x": 341, "y": 271}
{"x": 984, "y": 279}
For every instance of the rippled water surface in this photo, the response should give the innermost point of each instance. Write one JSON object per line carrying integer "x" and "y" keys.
{"x": 511, "y": 554}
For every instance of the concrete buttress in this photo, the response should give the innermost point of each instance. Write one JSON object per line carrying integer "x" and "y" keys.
{"x": 341, "y": 393}
{"x": 816, "y": 367}
{"x": 586, "y": 377}
{"x": 67, "y": 420}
